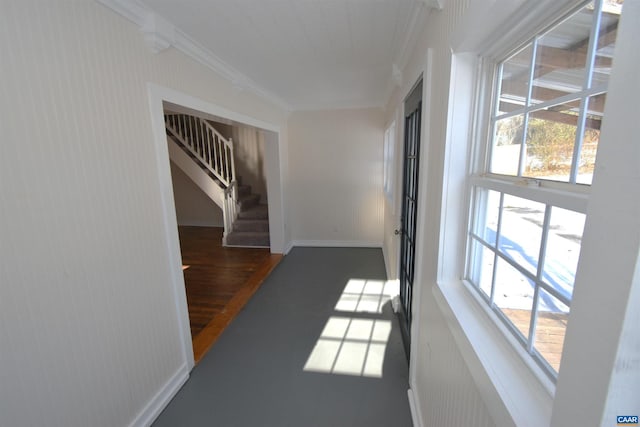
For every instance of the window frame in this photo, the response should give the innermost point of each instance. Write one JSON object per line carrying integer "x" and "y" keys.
{"x": 566, "y": 195}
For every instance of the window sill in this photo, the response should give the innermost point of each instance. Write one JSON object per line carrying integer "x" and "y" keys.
{"x": 514, "y": 388}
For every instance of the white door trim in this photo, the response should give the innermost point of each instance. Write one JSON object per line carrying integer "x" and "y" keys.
{"x": 157, "y": 96}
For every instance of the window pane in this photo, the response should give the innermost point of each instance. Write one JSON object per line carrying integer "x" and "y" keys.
{"x": 551, "y": 325}
{"x": 515, "y": 80}
{"x": 606, "y": 41}
{"x": 551, "y": 136}
{"x": 521, "y": 231}
{"x": 505, "y": 154}
{"x": 486, "y": 218}
{"x": 595, "y": 109}
{"x": 561, "y": 57}
{"x": 481, "y": 268}
{"x": 563, "y": 250}
{"x": 514, "y": 295}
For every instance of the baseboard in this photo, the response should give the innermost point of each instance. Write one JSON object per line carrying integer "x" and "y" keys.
{"x": 416, "y": 413}
{"x": 387, "y": 265}
{"x": 162, "y": 398}
{"x": 288, "y": 247}
{"x": 336, "y": 244}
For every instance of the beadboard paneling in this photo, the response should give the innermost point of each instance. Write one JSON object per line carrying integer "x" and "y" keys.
{"x": 335, "y": 175}
{"x": 444, "y": 390}
{"x": 88, "y": 329}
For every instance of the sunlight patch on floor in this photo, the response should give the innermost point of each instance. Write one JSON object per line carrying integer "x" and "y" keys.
{"x": 351, "y": 346}
{"x": 366, "y": 296}
{"x": 355, "y": 345}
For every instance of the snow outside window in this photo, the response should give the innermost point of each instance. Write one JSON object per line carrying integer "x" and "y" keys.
{"x": 529, "y": 196}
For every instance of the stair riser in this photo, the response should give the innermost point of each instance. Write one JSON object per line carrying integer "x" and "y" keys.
{"x": 244, "y": 190}
{"x": 241, "y": 240}
{"x": 253, "y": 215}
{"x": 251, "y": 226}
{"x": 248, "y": 202}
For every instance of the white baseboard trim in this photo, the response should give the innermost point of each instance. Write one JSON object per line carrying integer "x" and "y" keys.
{"x": 162, "y": 398}
{"x": 336, "y": 244}
{"x": 416, "y": 413}
{"x": 387, "y": 265}
{"x": 288, "y": 247}
{"x": 395, "y": 304}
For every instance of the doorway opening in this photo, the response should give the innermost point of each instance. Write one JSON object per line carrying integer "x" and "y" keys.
{"x": 221, "y": 202}
{"x": 224, "y": 277}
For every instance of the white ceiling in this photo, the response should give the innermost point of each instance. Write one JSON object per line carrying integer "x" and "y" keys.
{"x": 309, "y": 53}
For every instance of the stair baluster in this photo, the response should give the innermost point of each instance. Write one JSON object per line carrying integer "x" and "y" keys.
{"x": 216, "y": 154}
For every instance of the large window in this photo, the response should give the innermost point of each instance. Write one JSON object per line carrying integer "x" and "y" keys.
{"x": 530, "y": 189}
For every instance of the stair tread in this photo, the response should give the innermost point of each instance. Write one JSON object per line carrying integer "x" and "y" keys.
{"x": 253, "y": 214}
{"x": 248, "y": 238}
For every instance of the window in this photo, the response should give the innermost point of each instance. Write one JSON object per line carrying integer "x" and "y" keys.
{"x": 388, "y": 159}
{"x": 530, "y": 188}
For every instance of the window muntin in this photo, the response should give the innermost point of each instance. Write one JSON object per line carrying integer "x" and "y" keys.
{"x": 546, "y": 87}
{"x": 527, "y": 214}
{"x": 524, "y": 266}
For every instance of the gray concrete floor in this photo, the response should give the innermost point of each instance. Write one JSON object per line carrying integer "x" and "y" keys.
{"x": 255, "y": 374}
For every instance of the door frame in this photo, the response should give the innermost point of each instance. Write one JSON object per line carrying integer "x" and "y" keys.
{"x": 412, "y": 138}
{"x": 158, "y": 96}
{"x": 425, "y": 73}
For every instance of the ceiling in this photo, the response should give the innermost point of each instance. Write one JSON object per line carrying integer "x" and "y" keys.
{"x": 309, "y": 54}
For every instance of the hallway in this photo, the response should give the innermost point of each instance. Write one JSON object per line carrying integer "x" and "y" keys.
{"x": 317, "y": 345}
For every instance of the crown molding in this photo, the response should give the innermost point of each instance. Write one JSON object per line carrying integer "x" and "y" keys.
{"x": 160, "y": 34}
{"x": 491, "y": 28}
{"x": 419, "y": 15}
{"x": 132, "y": 10}
{"x": 434, "y": 4}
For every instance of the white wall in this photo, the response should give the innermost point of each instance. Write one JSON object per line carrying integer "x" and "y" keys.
{"x": 88, "y": 326}
{"x": 193, "y": 206}
{"x": 393, "y": 207}
{"x": 335, "y": 177}
{"x": 248, "y": 150}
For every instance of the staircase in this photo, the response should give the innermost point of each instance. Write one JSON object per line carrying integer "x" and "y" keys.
{"x": 207, "y": 158}
{"x": 251, "y": 226}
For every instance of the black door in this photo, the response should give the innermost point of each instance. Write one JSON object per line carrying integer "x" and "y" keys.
{"x": 413, "y": 107}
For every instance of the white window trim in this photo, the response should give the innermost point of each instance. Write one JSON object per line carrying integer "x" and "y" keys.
{"x": 516, "y": 389}
{"x": 566, "y": 195}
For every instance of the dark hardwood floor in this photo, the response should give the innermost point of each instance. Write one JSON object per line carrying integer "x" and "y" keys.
{"x": 219, "y": 281}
